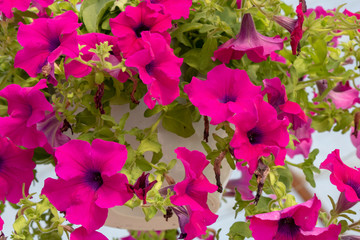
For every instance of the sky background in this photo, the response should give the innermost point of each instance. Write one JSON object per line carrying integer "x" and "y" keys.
{"x": 325, "y": 142}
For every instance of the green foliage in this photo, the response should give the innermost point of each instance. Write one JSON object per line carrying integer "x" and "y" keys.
{"x": 239, "y": 231}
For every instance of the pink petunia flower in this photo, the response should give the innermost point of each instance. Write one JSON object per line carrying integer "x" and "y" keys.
{"x": 159, "y": 68}
{"x": 81, "y": 234}
{"x": 303, "y": 146}
{"x": 277, "y": 58}
{"x": 294, "y": 27}
{"x": 278, "y": 99}
{"x": 16, "y": 168}
{"x": 7, "y": 6}
{"x": 259, "y": 133}
{"x": 90, "y": 40}
{"x": 141, "y": 186}
{"x": 44, "y": 40}
{"x": 296, "y": 222}
{"x": 177, "y": 9}
{"x": 26, "y": 107}
{"x": 238, "y": 4}
{"x": 342, "y": 95}
{"x": 89, "y": 182}
{"x": 193, "y": 223}
{"x": 223, "y": 87}
{"x": 346, "y": 179}
{"x": 256, "y": 46}
{"x": 193, "y": 190}
{"x": 241, "y": 184}
{"x": 129, "y": 25}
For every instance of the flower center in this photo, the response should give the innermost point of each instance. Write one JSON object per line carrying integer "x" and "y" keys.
{"x": 354, "y": 185}
{"x": 1, "y": 163}
{"x": 94, "y": 179}
{"x": 150, "y": 67}
{"x": 227, "y": 98}
{"x": 54, "y": 43}
{"x": 288, "y": 228}
{"x": 140, "y": 29}
{"x": 255, "y": 136}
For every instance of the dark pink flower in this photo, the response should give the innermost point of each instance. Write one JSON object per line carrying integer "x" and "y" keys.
{"x": 141, "y": 186}
{"x": 159, "y": 68}
{"x": 342, "y": 95}
{"x": 90, "y": 40}
{"x": 278, "y": 99}
{"x": 26, "y": 107}
{"x": 129, "y": 25}
{"x": 277, "y": 58}
{"x": 259, "y": 133}
{"x": 89, "y": 182}
{"x": 303, "y": 134}
{"x": 296, "y": 222}
{"x": 223, "y": 87}
{"x": 346, "y": 179}
{"x": 193, "y": 190}
{"x": 82, "y": 234}
{"x": 355, "y": 140}
{"x": 177, "y": 9}
{"x": 6, "y": 6}
{"x": 294, "y": 27}
{"x": 241, "y": 184}
{"x": 238, "y": 4}
{"x": 16, "y": 168}
{"x": 44, "y": 40}
{"x": 256, "y": 46}
{"x": 193, "y": 223}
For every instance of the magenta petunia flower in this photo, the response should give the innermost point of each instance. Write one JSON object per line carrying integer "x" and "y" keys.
{"x": 238, "y": 4}
{"x": 303, "y": 146}
{"x": 89, "y": 182}
{"x": 16, "y": 168}
{"x": 82, "y": 234}
{"x": 241, "y": 184}
{"x": 296, "y": 222}
{"x": 26, "y": 107}
{"x": 141, "y": 186}
{"x": 6, "y": 6}
{"x": 277, "y": 58}
{"x": 193, "y": 190}
{"x": 193, "y": 223}
{"x": 159, "y": 68}
{"x": 177, "y": 9}
{"x": 44, "y": 40}
{"x": 346, "y": 179}
{"x": 256, "y": 46}
{"x": 223, "y": 87}
{"x": 129, "y": 25}
{"x": 259, "y": 133}
{"x": 90, "y": 40}
{"x": 278, "y": 99}
{"x": 342, "y": 95}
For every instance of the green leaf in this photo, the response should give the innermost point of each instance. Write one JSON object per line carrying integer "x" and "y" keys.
{"x": 230, "y": 160}
{"x": 108, "y": 118}
{"x": 178, "y": 120}
{"x": 142, "y": 163}
{"x": 239, "y": 231}
{"x": 179, "y": 33}
{"x": 309, "y": 168}
{"x": 150, "y": 112}
{"x": 150, "y": 144}
{"x": 92, "y": 11}
{"x": 19, "y": 224}
{"x": 149, "y": 212}
{"x": 239, "y": 204}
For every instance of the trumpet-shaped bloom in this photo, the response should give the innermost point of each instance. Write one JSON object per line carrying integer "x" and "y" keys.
{"x": 193, "y": 223}
{"x": 223, "y": 87}
{"x": 296, "y": 222}
{"x": 129, "y": 25}
{"x": 177, "y": 9}
{"x": 259, "y": 133}
{"x": 303, "y": 134}
{"x": 256, "y": 46}
{"x": 89, "y": 182}
{"x": 26, "y": 107}
{"x": 44, "y": 40}
{"x": 7, "y": 6}
{"x": 159, "y": 68}
{"x": 81, "y": 234}
{"x": 278, "y": 99}
{"x": 193, "y": 190}
{"x": 141, "y": 186}
{"x": 90, "y": 40}
{"x": 16, "y": 168}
